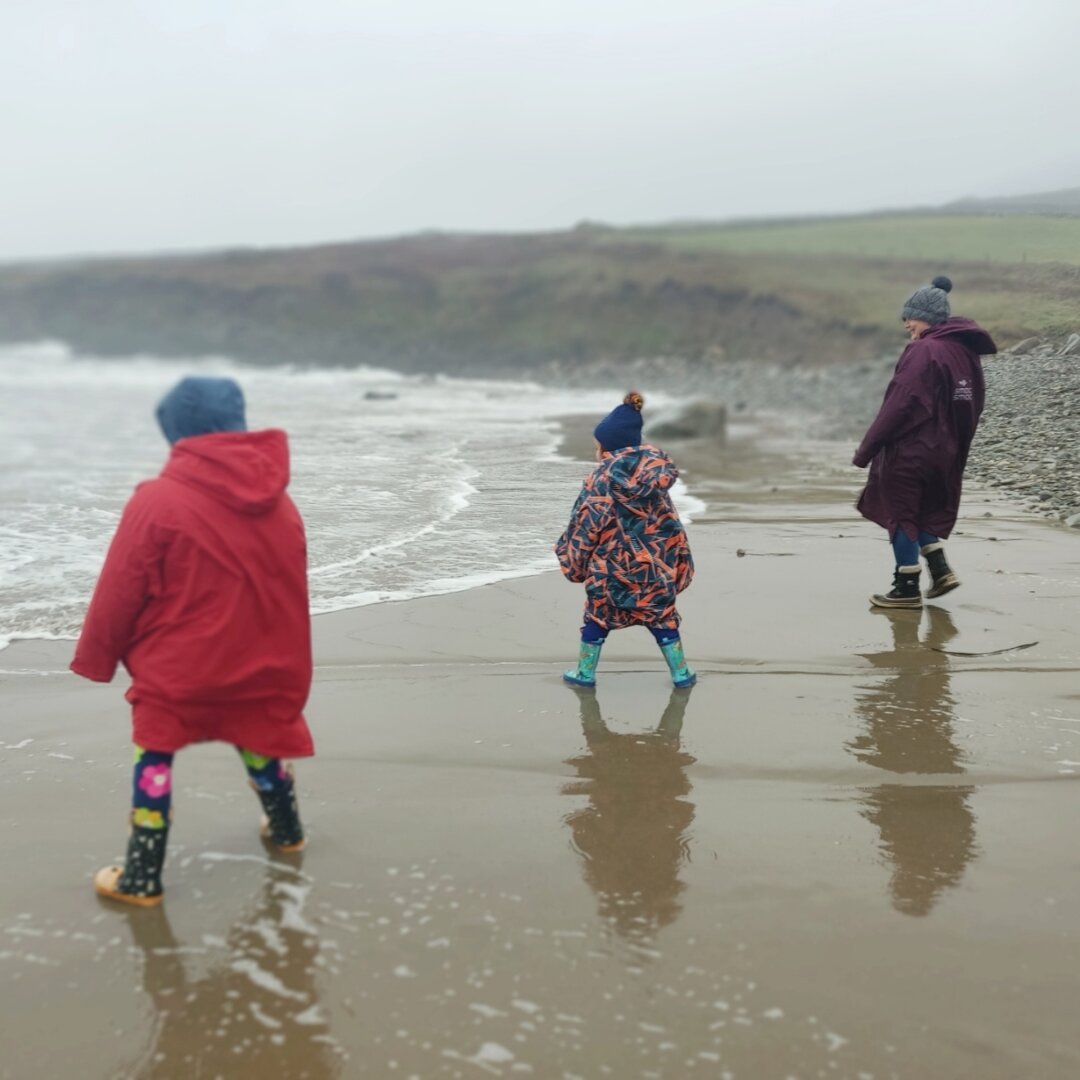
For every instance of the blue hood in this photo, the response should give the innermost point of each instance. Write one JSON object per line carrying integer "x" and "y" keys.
{"x": 199, "y": 405}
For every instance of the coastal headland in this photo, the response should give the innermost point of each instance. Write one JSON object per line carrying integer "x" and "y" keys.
{"x": 567, "y": 305}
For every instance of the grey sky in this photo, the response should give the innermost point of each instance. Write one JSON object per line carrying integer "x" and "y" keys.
{"x": 133, "y": 126}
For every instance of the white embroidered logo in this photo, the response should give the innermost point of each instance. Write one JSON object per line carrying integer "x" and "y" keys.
{"x": 963, "y": 391}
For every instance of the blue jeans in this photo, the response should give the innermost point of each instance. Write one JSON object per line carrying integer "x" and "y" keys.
{"x": 906, "y": 550}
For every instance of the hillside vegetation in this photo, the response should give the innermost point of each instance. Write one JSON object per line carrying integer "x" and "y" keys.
{"x": 1046, "y": 202}
{"x": 788, "y": 292}
{"x": 1018, "y": 274}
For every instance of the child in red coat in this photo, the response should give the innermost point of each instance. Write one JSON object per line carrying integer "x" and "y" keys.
{"x": 203, "y": 598}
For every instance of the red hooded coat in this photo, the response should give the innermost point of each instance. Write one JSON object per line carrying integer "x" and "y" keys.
{"x": 203, "y": 597}
{"x": 918, "y": 445}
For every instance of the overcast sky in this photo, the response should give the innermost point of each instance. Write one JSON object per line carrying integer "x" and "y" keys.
{"x": 180, "y": 124}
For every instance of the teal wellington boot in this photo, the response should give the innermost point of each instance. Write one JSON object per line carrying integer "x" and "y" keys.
{"x": 682, "y": 675}
{"x": 584, "y": 674}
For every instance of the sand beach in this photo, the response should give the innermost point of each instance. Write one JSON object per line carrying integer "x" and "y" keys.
{"x": 850, "y": 851}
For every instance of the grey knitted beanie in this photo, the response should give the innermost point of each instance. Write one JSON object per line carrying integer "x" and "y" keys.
{"x": 930, "y": 303}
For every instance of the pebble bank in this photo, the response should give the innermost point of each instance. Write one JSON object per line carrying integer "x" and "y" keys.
{"x": 1028, "y": 441}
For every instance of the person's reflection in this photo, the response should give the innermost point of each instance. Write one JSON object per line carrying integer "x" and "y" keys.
{"x": 927, "y": 831}
{"x": 631, "y": 835}
{"x": 254, "y": 1012}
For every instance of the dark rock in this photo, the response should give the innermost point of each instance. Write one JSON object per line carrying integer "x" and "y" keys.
{"x": 699, "y": 420}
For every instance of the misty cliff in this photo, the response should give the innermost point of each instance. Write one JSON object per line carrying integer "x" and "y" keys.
{"x": 473, "y": 304}
{"x": 794, "y": 293}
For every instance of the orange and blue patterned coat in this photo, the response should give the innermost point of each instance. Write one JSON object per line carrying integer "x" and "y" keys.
{"x": 625, "y": 542}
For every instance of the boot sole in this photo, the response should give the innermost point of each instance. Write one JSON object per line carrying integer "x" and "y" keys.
{"x": 105, "y": 882}
{"x": 940, "y": 588}
{"x": 580, "y": 683}
{"x": 913, "y": 603}
{"x": 288, "y": 849}
{"x": 264, "y": 832}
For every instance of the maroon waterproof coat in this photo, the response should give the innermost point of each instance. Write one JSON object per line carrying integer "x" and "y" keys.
{"x": 203, "y": 596}
{"x": 918, "y": 445}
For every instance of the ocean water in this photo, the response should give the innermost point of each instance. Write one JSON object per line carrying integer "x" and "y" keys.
{"x": 408, "y": 486}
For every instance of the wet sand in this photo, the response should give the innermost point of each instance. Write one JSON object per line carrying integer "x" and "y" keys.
{"x": 850, "y": 851}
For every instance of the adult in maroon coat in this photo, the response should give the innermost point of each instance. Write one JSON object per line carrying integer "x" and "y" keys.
{"x": 917, "y": 447}
{"x": 203, "y": 598}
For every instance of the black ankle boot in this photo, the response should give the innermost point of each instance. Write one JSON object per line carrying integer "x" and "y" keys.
{"x": 944, "y": 580}
{"x": 905, "y": 590}
{"x": 281, "y": 825}
{"x": 138, "y": 881}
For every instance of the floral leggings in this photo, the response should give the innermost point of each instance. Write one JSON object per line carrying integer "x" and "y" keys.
{"x": 152, "y": 791}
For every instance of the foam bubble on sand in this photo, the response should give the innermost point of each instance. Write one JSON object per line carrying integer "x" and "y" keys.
{"x": 311, "y": 1016}
{"x": 265, "y": 980}
{"x": 487, "y": 1011}
{"x": 263, "y": 1018}
{"x": 292, "y": 907}
{"x": 271, "y": 938}
{"x": 492, "y": 1053}
{"x": 278, "y": 867}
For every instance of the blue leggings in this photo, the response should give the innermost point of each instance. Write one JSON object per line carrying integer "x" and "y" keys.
{"x": 906, "y": 550}
{"x": 593, "y": 634}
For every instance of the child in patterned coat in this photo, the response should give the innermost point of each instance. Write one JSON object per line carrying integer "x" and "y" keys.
{"x": 626, "y": 545}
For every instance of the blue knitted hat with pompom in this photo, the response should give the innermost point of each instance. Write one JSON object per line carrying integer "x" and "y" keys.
{"x": 622, "y": 426}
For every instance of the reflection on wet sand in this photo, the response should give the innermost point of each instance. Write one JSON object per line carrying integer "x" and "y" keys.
{"x": 631, "y": 835}
{"x": 927, "y": 831}
{"x": 255, "y": 1011}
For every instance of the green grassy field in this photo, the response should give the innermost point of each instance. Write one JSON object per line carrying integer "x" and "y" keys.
{"x": 1017, "y": 238}
{"x": 1018, "y": 274}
